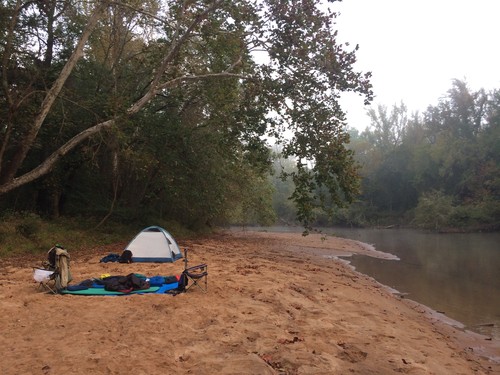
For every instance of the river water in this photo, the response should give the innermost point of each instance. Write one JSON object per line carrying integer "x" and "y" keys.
{"x": 456, "y": 274}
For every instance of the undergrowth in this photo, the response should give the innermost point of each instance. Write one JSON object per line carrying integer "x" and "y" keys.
{"x": 24, "y": 233}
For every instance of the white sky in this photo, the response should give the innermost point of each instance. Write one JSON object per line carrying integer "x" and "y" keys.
{"x": 416, "y": 48}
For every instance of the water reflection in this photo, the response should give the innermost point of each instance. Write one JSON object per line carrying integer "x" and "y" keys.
{"x": 458, "y": 274}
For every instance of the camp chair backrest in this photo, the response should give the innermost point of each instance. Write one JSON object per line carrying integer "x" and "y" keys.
{"x": 58, "y": 261}
{"x": 51, "y": 257}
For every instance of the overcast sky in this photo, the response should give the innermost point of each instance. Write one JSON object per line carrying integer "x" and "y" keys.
{"x": 416, "y": 48}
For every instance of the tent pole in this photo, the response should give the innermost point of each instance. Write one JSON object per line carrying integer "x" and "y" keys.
{"x": 185, "y": 258}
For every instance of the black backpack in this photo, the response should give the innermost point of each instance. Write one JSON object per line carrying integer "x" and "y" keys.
{"x": 183, "y": 282}
{"x": 126, "y": 257}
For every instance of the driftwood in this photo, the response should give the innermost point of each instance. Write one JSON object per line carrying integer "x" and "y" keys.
{"x": 485, "y": 325}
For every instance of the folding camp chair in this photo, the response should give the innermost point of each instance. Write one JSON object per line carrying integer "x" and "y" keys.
{"x": 197, "y": 275}
{"x": 55, "y": 274}
{"x": 45, "y": 279}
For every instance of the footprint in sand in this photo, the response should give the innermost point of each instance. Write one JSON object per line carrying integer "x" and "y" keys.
{"x": 351, "y": 353}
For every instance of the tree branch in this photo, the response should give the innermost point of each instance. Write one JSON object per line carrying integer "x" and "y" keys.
{"x": 5, "y": 80}
{"x": 154, "y": 88}
{"x": 49, "y": 163}
{"x": 178, "y": 80}
{"x": 54, "y": 91}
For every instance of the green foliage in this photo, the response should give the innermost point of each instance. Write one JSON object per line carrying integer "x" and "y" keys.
{"x": 315, "y": 209}
{"x": 21, "y": 232}
{"x": 433, "y": 210}
{"x": 352, "y": 216}
{"x": 181, "y": 107}
{"x": 166, "y": 115}
{"x": 29, "y": 226}
{"x": 284, "y": 208}
{"x": 312, "y": 68}
{"x": 72, "y": 233}
{"x": 484, "y": 215}
{"x": 452, "y": 149}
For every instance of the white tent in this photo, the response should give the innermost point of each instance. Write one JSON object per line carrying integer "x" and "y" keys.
{"x": 154, "y": 244}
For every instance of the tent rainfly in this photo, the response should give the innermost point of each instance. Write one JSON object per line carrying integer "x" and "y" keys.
{"x": 154, "y": 244}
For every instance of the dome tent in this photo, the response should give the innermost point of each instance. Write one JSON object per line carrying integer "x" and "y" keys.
{"x": 154, "y": 244}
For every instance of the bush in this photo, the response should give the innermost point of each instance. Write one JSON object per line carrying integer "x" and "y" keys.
{"x": 29, "y": 226}
{"x": 433, "y": 210}
{"x": 29, "y": 234}
{"x": 436, "y": 211}
{"x": 476, "y": 215}
{"x": 352, "y": 216}
{"x": 461, "y": 216}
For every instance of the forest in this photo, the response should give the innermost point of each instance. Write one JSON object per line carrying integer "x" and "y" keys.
{"x": 142, "y": 112}
{"x": 139, "y": 111}
{"x": 437, "y": 170}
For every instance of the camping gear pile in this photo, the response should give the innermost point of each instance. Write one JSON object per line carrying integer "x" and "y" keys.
{"x": 129, "y": 284}
{"x": 153, "y": 244}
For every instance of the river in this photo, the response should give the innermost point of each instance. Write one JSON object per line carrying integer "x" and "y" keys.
{"x": 456, "y": 274}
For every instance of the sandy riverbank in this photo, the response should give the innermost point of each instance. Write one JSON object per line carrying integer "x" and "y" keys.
{"x": 278, "y": 303}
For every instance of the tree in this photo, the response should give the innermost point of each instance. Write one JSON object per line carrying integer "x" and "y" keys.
{"x": 14, "y": 99}
{"x": 308, "y": 70}
{"x": 455, "y": 126}
{"x": 387, "y": 181}
{"x": 387, "y": 130}
{"x": 433, "y": 210}
{"x": 283, "y": 189}
{"x": 450, "y": 149}
{"x": 300, "y": 84}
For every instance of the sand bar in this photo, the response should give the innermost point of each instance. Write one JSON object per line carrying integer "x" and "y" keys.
{"x": 277, "y": 303}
